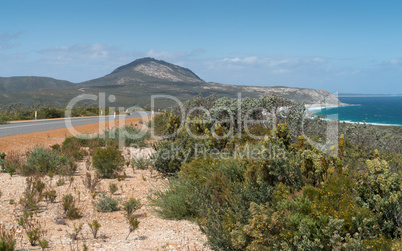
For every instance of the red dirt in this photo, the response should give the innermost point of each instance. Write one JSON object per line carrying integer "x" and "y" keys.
{"x": 21, "y": 143}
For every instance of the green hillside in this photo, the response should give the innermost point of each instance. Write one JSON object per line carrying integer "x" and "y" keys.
{"x": 25, "y": 84}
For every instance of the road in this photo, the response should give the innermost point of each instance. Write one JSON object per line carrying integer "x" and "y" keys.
{"x": 17, "y": 128}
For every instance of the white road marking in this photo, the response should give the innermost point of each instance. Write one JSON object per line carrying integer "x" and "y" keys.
{"x": 43, "y": 123}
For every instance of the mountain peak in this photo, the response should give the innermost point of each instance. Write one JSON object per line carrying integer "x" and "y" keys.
{"x": 153, "y": 70}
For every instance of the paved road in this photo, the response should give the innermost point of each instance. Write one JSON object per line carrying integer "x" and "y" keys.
{"x": 44, "y": 125}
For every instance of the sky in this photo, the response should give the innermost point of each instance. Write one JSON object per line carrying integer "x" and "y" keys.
{"x": 340, "y": 46}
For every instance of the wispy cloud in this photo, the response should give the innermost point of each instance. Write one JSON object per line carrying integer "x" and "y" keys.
{"x": 7, "y": 40}
{"x": 273, "y": 64}
{"x": 394, "y": 62}
{"x": 94, "y": 51}
{"x": 174, "y": 56}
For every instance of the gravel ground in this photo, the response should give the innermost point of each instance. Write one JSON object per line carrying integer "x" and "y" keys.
{"x": 154, "y": 233}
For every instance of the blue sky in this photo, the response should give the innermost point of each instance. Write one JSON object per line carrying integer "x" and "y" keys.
{"x": 345, "y": 46}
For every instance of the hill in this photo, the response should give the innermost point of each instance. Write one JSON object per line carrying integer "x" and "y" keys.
{"x": 26, "y": 84}
{"x": 145, "y": 70}
{"x": 135, "y": 83}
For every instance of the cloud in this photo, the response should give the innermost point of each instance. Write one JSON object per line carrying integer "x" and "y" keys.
{"x": 246, "y": 60}
{"x": 6, "y": 40}
{"x": 393, "y": 62}
{"x": 166, "y": 55}
{"x": 94, "y": 51}
{"x": 273, "y": 64}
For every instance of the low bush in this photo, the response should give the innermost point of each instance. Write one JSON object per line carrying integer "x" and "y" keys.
{"x": 7, "y": 238}
{"x": 107, "y": 161}
{"x": 33, "y": 193}
{"x": 12, "y": 162}
{"x": 45, "y": 161}
{"x": 113, "y": 188}
{"x": 91, "y": 182}
{"x": 94, "y": 226}
{"x": 76, "y": 231}
{"x": 133, "y": 136}
{"x": 69, "y": 207}
{"x": 72, "y": 148}
{"x": 32, "y": 227}
{"x": 106, "y": 204}
{"x": 60, "y": 182}
{"x": 141, "y": 163}
{"x": 131, "y": 205}
{"x": 3, "y": 119}
{"x": 169, "y": 157}
{"x": 50, "y": 195}
{"x": 133, "y": 224}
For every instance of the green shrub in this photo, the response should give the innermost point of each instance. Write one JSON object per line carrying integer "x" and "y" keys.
{"x": 131, "y": 205}
{"x": 72, "y": 148}
{"x": 141, "y": 163}
{"x": 32, "y": 227}
{"x": 94, "y": 226}
{"x": 60, "y": 182}
{"x": 33, "y": 193}
{"x": 44, "y": 161}
{"x": 133, "y": 224}
{"x": 168, "y": 158}
{"x": 91, "y": 183}
{"x": 50, "y": 195}
{"x": 3, "y": 119}
{"x": 380, "y": 190}
{"x": 43, "y": 243}
{"x": 107, "y": 161}
{"x": 7, "y": 238}
{"x": 69, "y": 207}
{"x": 130, "y": 138}
{"x": 76, "y": 231}
{"x": 3, "y": 161}
{"x": 113, "y": 188}
{"x": 159, "y": 123}
{"x": 106, "y": 204}
{"x": 12, "y": 163}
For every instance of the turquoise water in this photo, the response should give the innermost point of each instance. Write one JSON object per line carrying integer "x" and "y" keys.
{"x": 375, "y": 110}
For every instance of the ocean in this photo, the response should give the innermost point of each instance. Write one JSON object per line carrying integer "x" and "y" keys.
{"x": 374, "y": 110}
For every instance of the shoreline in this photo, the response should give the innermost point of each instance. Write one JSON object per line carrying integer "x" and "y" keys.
{"x": 315, "y": 108}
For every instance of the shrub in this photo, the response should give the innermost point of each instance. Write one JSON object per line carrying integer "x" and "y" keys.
{"x": 43, "y": 243}
{"x": 60, "y": 182}
{"x": 3, "y": 161}
{"x": 69, "y": 208}
{"x": 106, "y": 204}
{"x": 131, "y": 205}
{"x": 94, "y": 226}
{"x": 7, "y": 238}
{"x": 113, "y": 188}
{"x": 141, "y": 163}
{"x": 380, "y": 190}
{"x": 91, "y": 183}
{"x": 133, "y": 224}
{"x": 33, "y": 193}
{"x": 50, "y": 195}
{"x": 168, "y": 158}
{"x": 45, "y": 161}
{"x": 107, "y": 161}
{"x": 131, "y": 139}
{"x": 76, "y": 231}
{"x": 32, "y": 227}
{"x": 72, "y": 147}
{"x": 10, "y": 164}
